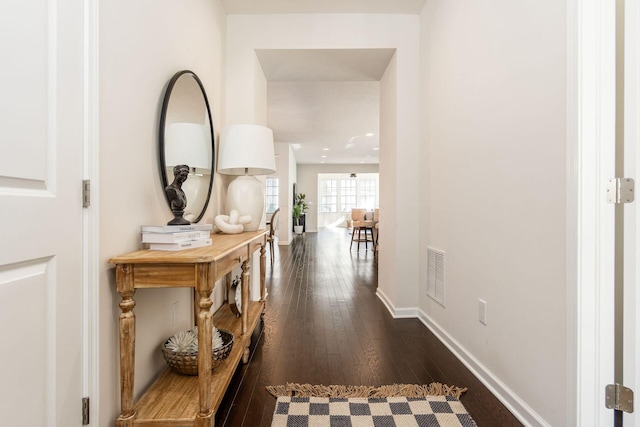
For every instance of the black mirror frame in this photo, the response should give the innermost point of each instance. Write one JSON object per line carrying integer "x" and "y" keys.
{"x": 161, "y": 145}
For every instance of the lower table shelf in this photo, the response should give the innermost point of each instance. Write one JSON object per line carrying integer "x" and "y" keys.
{"x": 173, "y": 398}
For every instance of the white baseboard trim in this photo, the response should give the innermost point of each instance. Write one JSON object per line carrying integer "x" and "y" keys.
{"x": 504, "y": 394}
{"x": 402, "y": 313}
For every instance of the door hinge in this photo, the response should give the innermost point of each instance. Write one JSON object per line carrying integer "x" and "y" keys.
{"x": 620, "y": 190}
{"x": 85, "y": 411}
{"x": 619, "y": 397}
{"x": 86, "y": 193}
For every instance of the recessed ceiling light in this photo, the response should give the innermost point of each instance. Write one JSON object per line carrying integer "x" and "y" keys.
{"x": 325, "y": 149}
{"x": 323, "y": 156}
{"x": 369, "y": 134}
{"x": 361, "y": 161}
{"x": 376, "y": 148}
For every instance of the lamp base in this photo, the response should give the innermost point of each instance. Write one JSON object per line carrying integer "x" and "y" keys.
{"x": 246, "y": 195}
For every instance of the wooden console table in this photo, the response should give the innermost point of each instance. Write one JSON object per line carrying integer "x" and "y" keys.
{"x": 175, "y": 399}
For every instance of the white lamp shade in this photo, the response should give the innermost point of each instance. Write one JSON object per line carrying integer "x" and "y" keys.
{"x": 246, "y": 149}
{"x": 188, "y": 144}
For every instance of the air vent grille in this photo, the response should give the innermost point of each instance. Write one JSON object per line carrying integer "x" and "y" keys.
{"x": 435, "y": 275}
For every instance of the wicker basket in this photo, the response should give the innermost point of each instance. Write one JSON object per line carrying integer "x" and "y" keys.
{"x": 187, "y": 363}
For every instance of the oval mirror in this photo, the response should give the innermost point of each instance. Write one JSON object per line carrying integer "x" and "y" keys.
{"x": 186, "y": 138}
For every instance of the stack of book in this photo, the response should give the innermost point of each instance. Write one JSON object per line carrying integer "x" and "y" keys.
{"x": 176, "y": 237}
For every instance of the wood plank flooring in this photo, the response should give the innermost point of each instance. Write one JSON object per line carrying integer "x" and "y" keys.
{"x": 325, "y": 325}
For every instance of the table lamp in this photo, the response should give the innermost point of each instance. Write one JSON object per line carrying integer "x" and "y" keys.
{"x": 246, "y": 150}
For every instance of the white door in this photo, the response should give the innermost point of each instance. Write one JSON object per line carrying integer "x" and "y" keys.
{"x": 41, "y": 134}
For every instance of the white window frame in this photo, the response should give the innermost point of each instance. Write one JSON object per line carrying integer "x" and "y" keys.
{"x": 271, "y": 194}
{"x": 367, "y": 193}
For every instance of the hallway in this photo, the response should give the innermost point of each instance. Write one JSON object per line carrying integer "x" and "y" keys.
{"x": 325, "y": 325}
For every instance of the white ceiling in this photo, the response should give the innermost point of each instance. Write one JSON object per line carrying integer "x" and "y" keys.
{"x": 325, "y": 102}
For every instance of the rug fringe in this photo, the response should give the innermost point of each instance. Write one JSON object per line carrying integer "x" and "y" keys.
{"x": 346, "y": 391}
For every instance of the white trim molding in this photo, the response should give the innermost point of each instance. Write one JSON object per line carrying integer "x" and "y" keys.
{"x": 91, "y": 253}
{"x": 504, "y": 394}
{"x": 509, "y": 399}
{"x": 396, "y": 313}
{"x": 591, "y": 59}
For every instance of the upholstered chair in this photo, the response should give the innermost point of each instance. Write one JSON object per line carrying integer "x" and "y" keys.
{"x": 361, "y": 225}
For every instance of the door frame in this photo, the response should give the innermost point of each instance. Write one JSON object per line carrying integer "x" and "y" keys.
{"x": 631, "y": 277}
{"x": 90, "y": 237}
{"x": 590, "y": 220}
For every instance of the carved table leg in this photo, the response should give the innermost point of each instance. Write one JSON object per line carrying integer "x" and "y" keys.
{"x": 127, "y": 320}
{"x": 246, "y": 280}
{"x": 263, "y": 269}
{"x": 205, "y": 422}
{"x": 263, "y": 279}
{"x": 245, "y": 354}
{"x": 205, "y": 324}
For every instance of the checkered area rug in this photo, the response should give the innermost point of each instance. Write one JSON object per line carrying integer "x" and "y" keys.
{"x": 430, "y": 411}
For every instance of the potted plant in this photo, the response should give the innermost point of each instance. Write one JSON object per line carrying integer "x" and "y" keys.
{"x": 300, "y": 207}
{"x": 297, "y": 212}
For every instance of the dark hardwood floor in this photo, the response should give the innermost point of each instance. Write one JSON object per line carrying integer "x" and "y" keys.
{"x": 325, "y": 325}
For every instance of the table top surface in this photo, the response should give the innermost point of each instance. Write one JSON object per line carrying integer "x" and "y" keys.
{"x": 222, "y": 245}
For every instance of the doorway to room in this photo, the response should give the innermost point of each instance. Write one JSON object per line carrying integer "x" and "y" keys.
{"x": 338, "y": 193}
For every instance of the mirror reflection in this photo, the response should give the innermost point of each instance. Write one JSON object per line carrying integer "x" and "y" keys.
{"x": 186, "y": 138}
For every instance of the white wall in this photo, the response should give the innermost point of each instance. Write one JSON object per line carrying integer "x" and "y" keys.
{"x": 390, "y": 250}
{"x": 283, "y": 154}
{"x": 401, "y": 32}
{"x": 142, "y": 44}
{"x": 494, "y": 149}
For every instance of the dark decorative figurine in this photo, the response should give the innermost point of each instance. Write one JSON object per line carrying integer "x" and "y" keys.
{"x": 176, "y": 195}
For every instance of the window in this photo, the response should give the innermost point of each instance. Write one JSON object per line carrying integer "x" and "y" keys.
{"x": 348, "y": 194}
{"x": 367, "y": 194}
{"x": 328, "y": 196}
{"x": 272, "y": 193}
{"x": 339, "y": 193}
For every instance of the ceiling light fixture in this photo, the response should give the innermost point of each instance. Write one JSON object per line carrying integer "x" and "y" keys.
{"x": 353, "y": 175}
